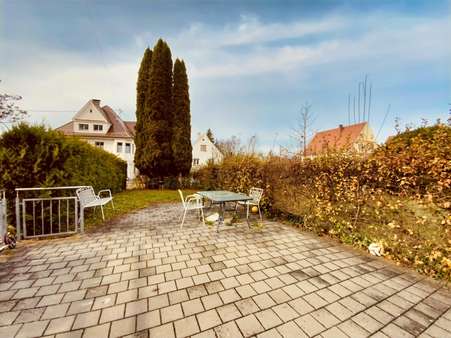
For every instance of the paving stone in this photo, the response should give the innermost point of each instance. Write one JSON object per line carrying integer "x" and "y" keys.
{"x": 192, "y": 307}
{"x": 99, "y": 331}
{"x": 186, "y": 327}
{"x": 86, "y": 319}
{"x": 268, "y": 318}
{"x": 59, "y": 325}
{"x": 211, "y": 301}
{"x": 148, "y": 320}
{"x": 112, "y": 313}
{"x": 228, "y": 330}
{"x": 137, "y": 307}
{"x": 309, "y": 325}
{"x": 166, "y": 331}
{"x": 80, "y": 306}
{"x": 290, "y": 330}
{"x": 34, "y": 329}
{"x": 263, "y": 301}
{"x": 120, "y": 328}
{"x": 9, "y": 331}
{"x": 104, "y": 301}
{"x": 228, "y": 312}
{"x": 55, "y": 311}
{"x": 171, "y": 313}
{"x": 222, "y": 284}
{"x": 285, "y": 312}
{"x": 249, "y": 325}
{"x": 208, "y": 319}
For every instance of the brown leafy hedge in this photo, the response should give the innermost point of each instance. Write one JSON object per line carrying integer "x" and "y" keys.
{"x": 399, "y": 197}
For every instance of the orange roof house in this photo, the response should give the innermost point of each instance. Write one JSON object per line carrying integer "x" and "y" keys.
{"x": 356, "y": 137}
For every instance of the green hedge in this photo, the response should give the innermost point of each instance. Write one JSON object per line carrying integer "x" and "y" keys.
{"x": 36, "y": 156}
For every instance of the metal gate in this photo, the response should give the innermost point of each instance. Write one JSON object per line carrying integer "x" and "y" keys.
{"x": 48, "y": 212}
{"x": 3, "y": 215}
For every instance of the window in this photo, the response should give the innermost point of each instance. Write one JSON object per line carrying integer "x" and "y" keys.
{"x": 98, "y": 127}
{"x": 203, "y": 147}
{"x": 127, "y": 148}
{"x": 83, "y": 126}
{"x": 119, "y": 147}
{"x": 195, "y": 161}
{"x": 99, "y": 144}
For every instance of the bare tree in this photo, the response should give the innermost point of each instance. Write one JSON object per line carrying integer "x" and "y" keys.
{"x": 302, "y": 131}
{"x": 9, "y": 111}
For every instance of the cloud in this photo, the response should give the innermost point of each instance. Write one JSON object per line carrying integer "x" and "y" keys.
{"x": 412, "y": 42}
{"x": 246, "y": 76}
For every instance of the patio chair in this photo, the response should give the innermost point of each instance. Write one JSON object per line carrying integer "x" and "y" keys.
{"x": 89, "y": 199}
{"x": 192, "y": 202}
{"x": 256, "y": 194}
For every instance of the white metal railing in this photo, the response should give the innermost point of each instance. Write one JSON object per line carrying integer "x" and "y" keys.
{"x": 3, "y": 215}
{"x": 44, "y": 214}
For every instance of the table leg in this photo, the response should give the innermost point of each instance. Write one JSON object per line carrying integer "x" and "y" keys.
{"x": 221, "y": 215}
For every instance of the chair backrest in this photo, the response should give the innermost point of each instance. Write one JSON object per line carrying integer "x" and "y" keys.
{"x": 85, "y": 195}
{"x": 256, "y": 194}
{"x": 181, "y": 196}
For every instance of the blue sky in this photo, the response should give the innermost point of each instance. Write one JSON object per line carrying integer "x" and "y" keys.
{"x": 251, "y": 64}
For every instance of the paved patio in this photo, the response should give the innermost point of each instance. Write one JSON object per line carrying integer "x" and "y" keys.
{"x": 144, "y": 277}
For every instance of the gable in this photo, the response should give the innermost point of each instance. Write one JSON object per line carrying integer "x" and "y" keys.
{"x": 91, "y": 111}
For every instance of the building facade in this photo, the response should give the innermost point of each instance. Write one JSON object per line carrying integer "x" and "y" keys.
{"x": 204, "y": 151}
{"x": 103, "y": 128}
{"x": 357, "y": 138}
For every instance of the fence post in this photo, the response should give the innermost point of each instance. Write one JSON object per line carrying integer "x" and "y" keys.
{"x": 18, "y": 227}
{"x": 82, "y": 219}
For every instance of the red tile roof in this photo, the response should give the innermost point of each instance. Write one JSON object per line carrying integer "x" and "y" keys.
{"x": 118, "y": 129}
{"x": 339, "y": 138}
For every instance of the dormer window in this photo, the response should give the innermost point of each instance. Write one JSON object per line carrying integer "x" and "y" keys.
{"x": 83, "y": 126}
{"x": 98, "y": 127}
{"x": 203, "y": 147}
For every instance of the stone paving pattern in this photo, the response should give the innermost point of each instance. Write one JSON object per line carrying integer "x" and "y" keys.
{"x": 144, "y": 277}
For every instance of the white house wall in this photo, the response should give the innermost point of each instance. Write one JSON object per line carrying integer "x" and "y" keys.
{"x": 111, "y": 145}
{"x": 211, "y": 152}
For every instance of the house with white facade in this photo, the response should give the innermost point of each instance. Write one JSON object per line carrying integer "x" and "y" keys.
{"x": 204, "y": 150}
{"x": 103, "y": 128}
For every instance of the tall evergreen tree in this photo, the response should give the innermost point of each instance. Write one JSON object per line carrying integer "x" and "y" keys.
{"x": 156, "y": 158}
{"x": 210, "y": 135}
{"x": 181, "y": 138}
{"x": 142, "y": 91}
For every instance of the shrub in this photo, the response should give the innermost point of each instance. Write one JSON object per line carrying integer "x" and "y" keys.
{"x": 399, "y": 196}
{"x": 35, "y": 156}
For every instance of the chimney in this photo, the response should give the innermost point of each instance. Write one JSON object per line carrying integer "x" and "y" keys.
{"x": 341, "y": 128}
{"x": 96, "y": 102}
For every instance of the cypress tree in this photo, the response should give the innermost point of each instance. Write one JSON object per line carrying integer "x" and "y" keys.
{"x": 181, "y": 138}
{"x": 156, "y": 158}
{"x": 142, "y": 90}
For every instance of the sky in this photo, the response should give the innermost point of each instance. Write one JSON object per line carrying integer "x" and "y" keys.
{"x": 252, "y": 65}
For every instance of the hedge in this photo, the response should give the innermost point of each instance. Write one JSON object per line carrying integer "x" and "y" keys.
{"x": 36, "y": 156}
{"x": 399, "y": 197}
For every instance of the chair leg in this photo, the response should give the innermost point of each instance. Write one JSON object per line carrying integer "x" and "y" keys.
{"x": 247, "y": 211}
{"x": 103, "y": 215}
{"x": 112, "y": 203}
{"x": 183, "y": 219}
{"x": 260, "y": 213}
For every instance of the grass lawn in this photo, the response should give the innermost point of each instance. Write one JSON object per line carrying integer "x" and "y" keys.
{"x": 127, "y": 201}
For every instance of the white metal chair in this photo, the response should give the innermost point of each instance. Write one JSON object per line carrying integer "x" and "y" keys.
{"x": 89, "y": 199}
{"x": 256, "y": 194}
{"x": 192, "y": 202}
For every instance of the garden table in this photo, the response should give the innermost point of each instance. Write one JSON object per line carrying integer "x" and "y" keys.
{"x": 221, "y": 197}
